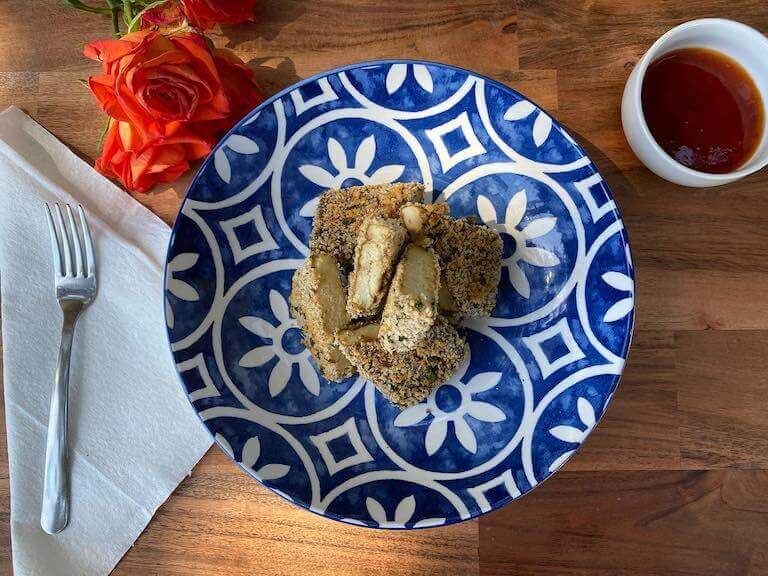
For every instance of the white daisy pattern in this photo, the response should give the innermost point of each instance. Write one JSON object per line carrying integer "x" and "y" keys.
{"x": 236, "y": 143}
{"x": 281, "y": 371}
{"x": 623, "y": 283}
{"x": 364, "y": 157}
{"x": 571, "y": 434}
{"x": 525, "y": 248}
{"x": 403, "y": 514}
{"x": 543, "y": 366}
{"x": 179, "y": 288}
{"x": 399, "y": 72}
{"x": 542, "y": 126}
{"x": 437, "y": 430}
{"x": 250, "y": 456}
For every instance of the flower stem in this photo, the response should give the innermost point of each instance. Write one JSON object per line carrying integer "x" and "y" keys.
{"x": 115, "y": 10}
{"x": 127, "y": 12}
{"x": 104, "y": 131}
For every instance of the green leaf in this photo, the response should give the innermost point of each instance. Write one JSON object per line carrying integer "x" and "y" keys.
{"x": 114, "y": 9}
{"x": 77, "y": 4}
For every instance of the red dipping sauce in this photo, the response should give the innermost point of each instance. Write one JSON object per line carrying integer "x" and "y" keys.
{"x": 703, "y": 109}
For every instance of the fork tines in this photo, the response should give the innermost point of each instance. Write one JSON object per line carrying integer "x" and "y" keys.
{"x": 68, "y": 238}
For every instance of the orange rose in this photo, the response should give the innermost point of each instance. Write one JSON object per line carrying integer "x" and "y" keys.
{"x": 205, "y": 14}
{"x": 139, "y": 163}
{"x": 151, "y": 80}
{"x": 169, "y": 99}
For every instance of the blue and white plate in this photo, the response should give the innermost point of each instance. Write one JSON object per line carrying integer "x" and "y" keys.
{"x": 539, "y": 373}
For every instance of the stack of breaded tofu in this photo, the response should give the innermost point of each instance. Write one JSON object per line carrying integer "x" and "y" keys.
{"x": 387, "y": 280}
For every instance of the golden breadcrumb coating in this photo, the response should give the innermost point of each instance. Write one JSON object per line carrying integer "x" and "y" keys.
{"x": 318, "y": 303}
{"x": 416, "y": 218}
{"x": 405, "y": 378}
{"x": 340, "y": 213}
{"x": 470, "y": 258}
{"x": 411, "y": 306}
{"x": 378, "y": 247}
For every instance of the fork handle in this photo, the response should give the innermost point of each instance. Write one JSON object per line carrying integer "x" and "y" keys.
{"x": 55, "y": 511}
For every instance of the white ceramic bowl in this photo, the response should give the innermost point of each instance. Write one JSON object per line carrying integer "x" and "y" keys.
{"x": 742, "y": 43}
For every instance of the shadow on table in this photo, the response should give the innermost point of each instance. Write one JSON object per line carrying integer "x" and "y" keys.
{"x": 270, "y": 18}
{"x": 612, "y": 174}
{"x": 273, "y": 73}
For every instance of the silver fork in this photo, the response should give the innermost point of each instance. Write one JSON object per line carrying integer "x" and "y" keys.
{"x": 75, "y": 284}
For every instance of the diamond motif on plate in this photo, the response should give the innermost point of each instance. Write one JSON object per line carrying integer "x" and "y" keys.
{"x": 255, "y": 220}
{"x": 504, "y": 479}
{"x": 208, "y": 390}
{"x": 448, "y": 158}
{"x": 585, "y": 188}
{"x": 326, "y": 95}
{"x": 349, "y": 430}
{"x": 559, "y": 333}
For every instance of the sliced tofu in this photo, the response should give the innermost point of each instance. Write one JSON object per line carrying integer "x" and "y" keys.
{"x": 417, "y": 217}
{"x": 318, "y": 303}
{"x": 340, "y": 213}
{"x": 411, "y": 307}
{"x": 405, "y": 378}
{"x": 470, "y": 259}
{"x": 379, "y": 243}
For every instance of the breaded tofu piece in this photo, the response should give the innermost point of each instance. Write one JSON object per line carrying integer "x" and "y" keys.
{"x": 417, "y": 218}
{"x": 411, "y": 306}
{"x": 470, "y": 258}
{"x": 379, "y": 243}
{"x": 446, "y": 304}
{"x": 318, "y": 304}
{"x": 340, "y": 213}
{"x": 405, "y": 378}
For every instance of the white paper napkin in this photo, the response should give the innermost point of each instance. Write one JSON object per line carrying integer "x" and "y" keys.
{"x": 133, "y": 435}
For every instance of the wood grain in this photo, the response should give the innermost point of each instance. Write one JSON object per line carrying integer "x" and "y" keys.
{"x": 662, "y": 523}
{"x": 673, "y": 481}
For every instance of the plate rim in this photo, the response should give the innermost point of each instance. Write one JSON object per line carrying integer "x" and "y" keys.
{"x": 626, "y": 344}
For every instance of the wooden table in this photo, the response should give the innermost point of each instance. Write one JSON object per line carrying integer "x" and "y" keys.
{"x": 675, "y": 479}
